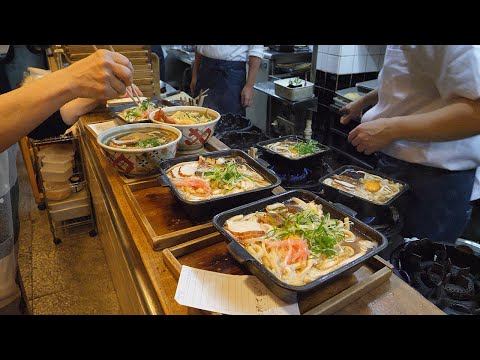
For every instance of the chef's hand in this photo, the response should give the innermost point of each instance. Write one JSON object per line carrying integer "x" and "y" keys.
{"x": 372, "y": 136}
{"x": 351, "y": 111}
{"x": 247, "y": 95}
{"x": 102, "y": 75}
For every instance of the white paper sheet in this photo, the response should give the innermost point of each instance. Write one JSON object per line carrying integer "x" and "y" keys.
{"x": 99, "y": 127}
{"x": 228, "y": 294}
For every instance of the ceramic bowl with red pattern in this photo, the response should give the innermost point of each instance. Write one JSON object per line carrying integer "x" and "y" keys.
{"x": 138, "y": 161}
{"x": 194, "y": 135}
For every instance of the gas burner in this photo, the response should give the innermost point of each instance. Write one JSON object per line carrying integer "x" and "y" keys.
{"x": 444, "y": 274}
{"x": 291, "y": 176}
{"x": 297, "y": 177}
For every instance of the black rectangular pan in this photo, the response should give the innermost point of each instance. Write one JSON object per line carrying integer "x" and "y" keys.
{"x": 205, "y": 209}
{"x": 286, "y": 292}
{"x": 342, "y": 169}
{"x": 286, "y": 160}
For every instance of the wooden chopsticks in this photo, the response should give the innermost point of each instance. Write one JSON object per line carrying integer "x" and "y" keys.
{"x": 201, "y": 97}
{"x": 137, "y": 101}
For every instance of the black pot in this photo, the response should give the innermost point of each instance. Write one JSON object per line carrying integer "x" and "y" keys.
{"x": 284, "y": 291}
{"x": 205, "y": 209}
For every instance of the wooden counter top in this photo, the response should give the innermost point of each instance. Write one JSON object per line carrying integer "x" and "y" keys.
{"x": 135, "y": 266}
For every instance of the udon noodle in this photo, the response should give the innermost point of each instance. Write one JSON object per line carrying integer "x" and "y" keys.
{"x": 365, "y": 185}
{"x": 297, "y": 241}
{"x": 214, "y": 177}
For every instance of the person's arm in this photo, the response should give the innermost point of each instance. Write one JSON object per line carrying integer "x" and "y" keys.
{"x": 196, "y": 64}
{"x": 247, "y": 91}
{"x": 72, "y": 110}
{"x": 102, "y": 75}
{"x": 51, "y": 127}
{"x": 457, "y": 120}
{"x": 355, "y": 108}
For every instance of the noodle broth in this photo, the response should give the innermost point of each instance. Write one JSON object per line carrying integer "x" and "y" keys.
{"x": 142, "y": 139}
{"x": 297, "y": 241}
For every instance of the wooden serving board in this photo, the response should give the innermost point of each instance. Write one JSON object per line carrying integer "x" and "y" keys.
{"x": 160, "y": 216}
{"x": 210, "y": 252}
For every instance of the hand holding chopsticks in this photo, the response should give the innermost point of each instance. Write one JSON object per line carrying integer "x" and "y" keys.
{"x": 130, "y": 92}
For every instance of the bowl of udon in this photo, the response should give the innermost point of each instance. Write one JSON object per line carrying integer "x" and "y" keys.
{"x": 138, "y": 149}
{"x": 196, "y": 123}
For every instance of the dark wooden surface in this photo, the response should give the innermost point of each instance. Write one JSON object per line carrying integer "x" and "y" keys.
{"x": 161, "y": 209}
{"x": 210, "y": 253}
{"x": 392, "y": 297}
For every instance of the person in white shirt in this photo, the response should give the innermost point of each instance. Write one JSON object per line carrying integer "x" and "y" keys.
{"x": 60, "y": 97}
{"x": 425, "y": 128}
{"x": 223, "y": 70}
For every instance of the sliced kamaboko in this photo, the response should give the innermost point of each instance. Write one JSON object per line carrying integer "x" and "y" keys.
{"x": 175, "y": 171}
{"x": 188, "y": 169}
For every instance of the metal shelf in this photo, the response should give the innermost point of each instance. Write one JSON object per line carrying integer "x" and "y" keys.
{"x": 65, "y": 224}
{"x": 57, "y": 227}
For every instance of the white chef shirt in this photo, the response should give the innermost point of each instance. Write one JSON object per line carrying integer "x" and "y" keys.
{"x": 230, "y": 52}
{"x": 422, "y": 78}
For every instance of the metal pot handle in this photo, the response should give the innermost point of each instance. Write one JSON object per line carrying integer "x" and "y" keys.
{"x": 346, "y": 209}
{"x": 162, "y": 180}
{"x": 238, "y": 252}
{"x": 262, "y": 162}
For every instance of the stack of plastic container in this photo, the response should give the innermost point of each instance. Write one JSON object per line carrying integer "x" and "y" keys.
{"x": 74, "y": 206}
{"x": 57, "y": 168}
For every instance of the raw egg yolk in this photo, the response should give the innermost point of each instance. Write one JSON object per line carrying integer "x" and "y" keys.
{"x": 372, "y": 186}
